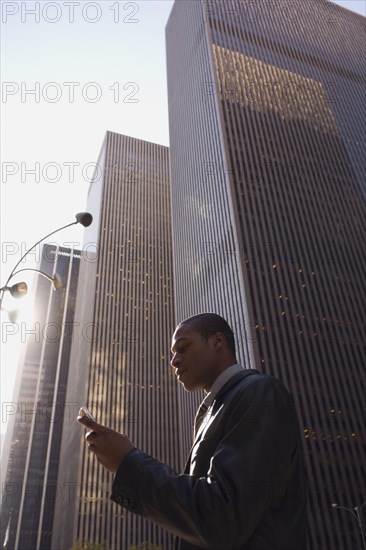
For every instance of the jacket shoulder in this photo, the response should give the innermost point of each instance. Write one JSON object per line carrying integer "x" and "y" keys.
{"x": 256, "y": 382}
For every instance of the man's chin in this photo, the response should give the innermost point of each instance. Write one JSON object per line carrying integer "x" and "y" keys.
{"x": 190, "y": 386}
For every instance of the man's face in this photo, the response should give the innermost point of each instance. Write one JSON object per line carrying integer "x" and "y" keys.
{"x": 194, "y": 359}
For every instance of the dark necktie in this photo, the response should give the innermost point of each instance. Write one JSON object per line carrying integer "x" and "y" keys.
{"x": 199, "y": 417}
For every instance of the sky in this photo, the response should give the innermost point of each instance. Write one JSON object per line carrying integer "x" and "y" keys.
{"x": 70, "y": 72}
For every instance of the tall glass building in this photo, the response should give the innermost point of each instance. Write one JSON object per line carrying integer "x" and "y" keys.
{"x": 32, "y": 445}
{"x": 267, "y": 143}
{"x": 120, "y": 361}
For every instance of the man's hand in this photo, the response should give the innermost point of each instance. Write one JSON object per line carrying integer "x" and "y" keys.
{"x": 109, "y": 446}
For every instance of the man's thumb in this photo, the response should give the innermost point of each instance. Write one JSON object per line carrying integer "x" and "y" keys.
{"x": 88, "y": 422}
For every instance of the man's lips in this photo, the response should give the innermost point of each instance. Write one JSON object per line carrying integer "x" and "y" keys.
{"x": 180, "y": 372}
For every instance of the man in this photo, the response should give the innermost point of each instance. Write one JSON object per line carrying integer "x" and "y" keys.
{"x": 243, "y": 485}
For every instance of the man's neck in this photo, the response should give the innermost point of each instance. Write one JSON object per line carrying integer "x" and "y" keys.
{"x": 228, "y": 364}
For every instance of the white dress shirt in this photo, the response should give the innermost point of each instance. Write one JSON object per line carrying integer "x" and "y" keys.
{"x": 220, "y": 381}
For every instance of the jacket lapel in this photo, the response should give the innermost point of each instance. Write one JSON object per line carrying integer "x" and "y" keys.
{"x": 219, "y": 397}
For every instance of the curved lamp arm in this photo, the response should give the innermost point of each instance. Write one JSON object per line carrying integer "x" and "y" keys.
{"x": 84, "y": 218}
{"x": 357, "y": 514}
{"x": 359, "y": 508}
{"x": 336, "y": 506}
{"x": 34, "y": 246}
{"x": 57, "y": 283}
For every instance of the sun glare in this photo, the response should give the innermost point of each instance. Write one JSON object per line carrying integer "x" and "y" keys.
{"x": 17, "y": 318}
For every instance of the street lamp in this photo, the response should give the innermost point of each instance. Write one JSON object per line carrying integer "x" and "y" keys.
{"x": 357, "y": 515}
{"x": 20, "y": 289}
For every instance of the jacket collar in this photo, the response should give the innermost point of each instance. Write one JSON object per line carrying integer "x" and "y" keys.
{"x": 233, "y": 381}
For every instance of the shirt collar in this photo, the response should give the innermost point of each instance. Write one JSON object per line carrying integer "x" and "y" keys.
{"x": 220, "y": 381}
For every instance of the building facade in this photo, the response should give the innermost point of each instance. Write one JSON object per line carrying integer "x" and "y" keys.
{"x": 120, "y": 360}
{"x": 267, "y": 144}
{"x": 33, "y": 437}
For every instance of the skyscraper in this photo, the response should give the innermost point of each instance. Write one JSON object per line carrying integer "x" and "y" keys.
{"x": 267, "y": 144}
{"x": 34, "y": 435}
{"x": 123, "y": 326}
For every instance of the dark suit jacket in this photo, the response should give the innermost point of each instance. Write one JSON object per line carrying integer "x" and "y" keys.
{"x": 243, "y": 487}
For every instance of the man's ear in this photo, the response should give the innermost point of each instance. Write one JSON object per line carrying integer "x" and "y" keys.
{"x": 219, "y": 340}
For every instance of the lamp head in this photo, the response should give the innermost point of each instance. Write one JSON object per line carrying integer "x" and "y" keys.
{"x": 57, "y": 283}
{"x": 85, "y": 218}
{"x": 18, "y": 290}
{"x": 334, "y": 505}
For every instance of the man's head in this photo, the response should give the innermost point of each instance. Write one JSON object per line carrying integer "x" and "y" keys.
{"x": 202, "y": 346}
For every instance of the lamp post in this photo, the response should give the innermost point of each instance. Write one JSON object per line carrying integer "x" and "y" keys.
{"x": 355, "y": 512}
{"x": 20, "y": 289}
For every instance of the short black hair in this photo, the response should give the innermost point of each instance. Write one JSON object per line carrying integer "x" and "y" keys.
{"x": 208, "y": 324}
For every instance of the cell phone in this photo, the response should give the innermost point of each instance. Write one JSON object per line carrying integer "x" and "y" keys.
{"x": 84, "y": 411}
